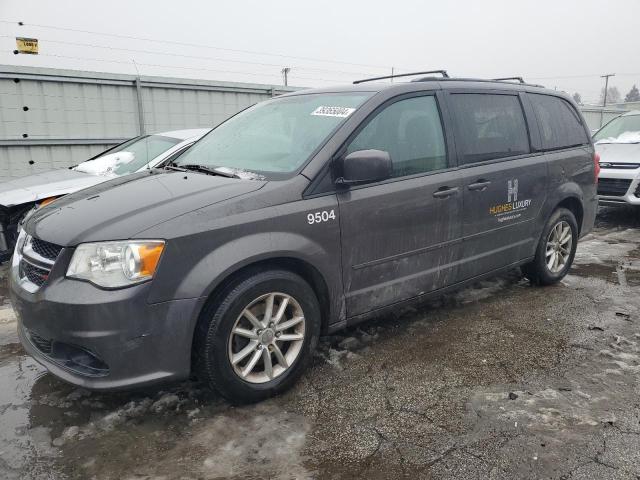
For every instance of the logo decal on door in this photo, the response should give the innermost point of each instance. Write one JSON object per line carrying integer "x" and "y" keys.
{"x": 512, "y": 190}
{"x": 514, "y": 207}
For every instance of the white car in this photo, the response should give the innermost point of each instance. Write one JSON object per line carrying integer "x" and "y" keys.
{"x": 20, "y": 196}
{"x": 618, "y": 144}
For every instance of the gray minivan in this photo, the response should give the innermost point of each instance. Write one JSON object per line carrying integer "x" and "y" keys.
{"x": 299, "y": 216}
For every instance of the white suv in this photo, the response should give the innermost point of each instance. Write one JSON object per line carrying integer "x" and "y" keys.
{"x": 618, "y": 144}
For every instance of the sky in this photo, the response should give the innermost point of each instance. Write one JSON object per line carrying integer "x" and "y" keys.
{"x": 563, "y": 44}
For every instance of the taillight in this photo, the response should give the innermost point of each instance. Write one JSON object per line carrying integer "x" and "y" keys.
{"x": 596, "y": 161}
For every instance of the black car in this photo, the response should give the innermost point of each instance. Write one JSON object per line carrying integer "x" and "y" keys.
{"x": 302, "y": 215}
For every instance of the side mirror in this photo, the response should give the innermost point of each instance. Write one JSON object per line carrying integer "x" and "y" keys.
{"x": 365, "y": 166}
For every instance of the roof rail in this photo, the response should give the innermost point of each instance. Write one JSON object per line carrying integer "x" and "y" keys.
{"x": 506, "y": 79}
{"x": 441, "y": 72}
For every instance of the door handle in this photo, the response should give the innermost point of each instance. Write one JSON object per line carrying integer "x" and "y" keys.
{"x": 479, "y": 185}
{"x": 445, "y": 192}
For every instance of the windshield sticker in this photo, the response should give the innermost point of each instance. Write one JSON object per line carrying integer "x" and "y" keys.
{"x": 341, "y": 112}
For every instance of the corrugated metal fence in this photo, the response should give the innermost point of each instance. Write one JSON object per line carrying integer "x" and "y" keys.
{"x": 52, "y": 118}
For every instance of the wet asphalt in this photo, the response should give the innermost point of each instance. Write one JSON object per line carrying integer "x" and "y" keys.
{"x": 501, "y": 380}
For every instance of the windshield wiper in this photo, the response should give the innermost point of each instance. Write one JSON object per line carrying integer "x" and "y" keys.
{"x": 171, "y": 166}
{"x": 207, "y": 170}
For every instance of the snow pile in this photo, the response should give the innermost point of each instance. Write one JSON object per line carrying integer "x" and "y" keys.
{"x": 106, "y": 164}
{"x": 626, "y": 137}
{"x": 262, "y": 441}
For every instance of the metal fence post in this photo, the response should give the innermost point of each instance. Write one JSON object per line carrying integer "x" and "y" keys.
{"x": 140, "y": 106}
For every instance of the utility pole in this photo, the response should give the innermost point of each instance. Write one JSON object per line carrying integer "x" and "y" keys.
{"x": 606, "y": 86}
{"x": 392, "y": 73}
{"x": 285, "y": 75}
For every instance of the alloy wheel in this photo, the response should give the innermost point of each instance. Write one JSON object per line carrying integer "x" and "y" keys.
{"x": 559, "y": 244}
{"x": 267, "y": 337}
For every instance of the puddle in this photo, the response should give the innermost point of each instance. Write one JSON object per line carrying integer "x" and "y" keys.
{"x": 24, "y": 447}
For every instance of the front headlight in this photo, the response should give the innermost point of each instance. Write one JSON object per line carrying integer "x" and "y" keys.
{"x": 116, "y": 264}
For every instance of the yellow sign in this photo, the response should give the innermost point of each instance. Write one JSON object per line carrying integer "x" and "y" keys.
{"x": 27, "y": 45}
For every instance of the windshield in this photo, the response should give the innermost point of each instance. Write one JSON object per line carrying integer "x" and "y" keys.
{"x": 144, "y": 150}
{"x": 620, "y": 130}
{"x": 274, "y": 137}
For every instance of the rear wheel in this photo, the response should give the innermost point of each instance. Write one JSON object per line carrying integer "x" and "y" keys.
{"x": 256, "y": 341}
{"x": 556, "y": 249}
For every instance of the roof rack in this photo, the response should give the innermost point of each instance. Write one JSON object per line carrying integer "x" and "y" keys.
{"x": 506, "y": 79}
{"x": 441, "y": 72}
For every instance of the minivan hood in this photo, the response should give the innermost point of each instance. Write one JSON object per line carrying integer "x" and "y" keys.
{"x": 120, "y": 208}
{"x": 618, "y": 152}
{"x": 43, "y": 185}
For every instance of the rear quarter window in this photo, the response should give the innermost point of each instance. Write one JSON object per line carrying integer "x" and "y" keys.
{"x": 560, "y": 125}
{"x": 489, "y": 126}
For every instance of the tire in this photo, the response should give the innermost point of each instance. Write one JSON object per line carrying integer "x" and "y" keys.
{"x": 539, "y": 271}
{"x": 216, "y": 344}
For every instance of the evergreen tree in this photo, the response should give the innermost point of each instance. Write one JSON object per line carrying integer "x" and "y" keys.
{"x": 633, "y": 95}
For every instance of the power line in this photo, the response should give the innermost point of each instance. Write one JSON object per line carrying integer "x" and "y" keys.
{"x": 594, "y": 75}
{"x": 195, "y": 57}
{"x": 186, "y": 44}
{"x": 123, "y": 62}
{"x": 251, "y": 52}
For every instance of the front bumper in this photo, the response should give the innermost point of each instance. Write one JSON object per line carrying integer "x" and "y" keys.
{"x": 629, "y": 194}
{"x": 104, "y": 339}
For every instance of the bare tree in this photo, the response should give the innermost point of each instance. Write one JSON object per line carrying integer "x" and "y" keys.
{"x": 613, "y": 95}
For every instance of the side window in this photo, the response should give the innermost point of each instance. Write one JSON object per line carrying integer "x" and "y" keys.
{"x": 411, "y": 132}
{"x": 489, "y": 126}
{"x": 560, "y": 125}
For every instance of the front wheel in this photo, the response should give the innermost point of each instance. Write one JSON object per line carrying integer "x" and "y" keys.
{"x": 556, "y": 249}
{"x": 256, "y": 341}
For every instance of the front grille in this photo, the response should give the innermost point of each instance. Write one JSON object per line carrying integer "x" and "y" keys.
{"x": 34, "y": 274}
{"x": 36, "y": 259}
{"x": 46, "y": 249}
{"x": 614, "y": 187}
{"x": 40, "y": 343}
{"x": 637, "y": 192}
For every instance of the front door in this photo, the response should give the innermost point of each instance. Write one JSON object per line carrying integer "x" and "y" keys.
{"x": 401, "y": 237}
{"x": 503, "y": 184}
